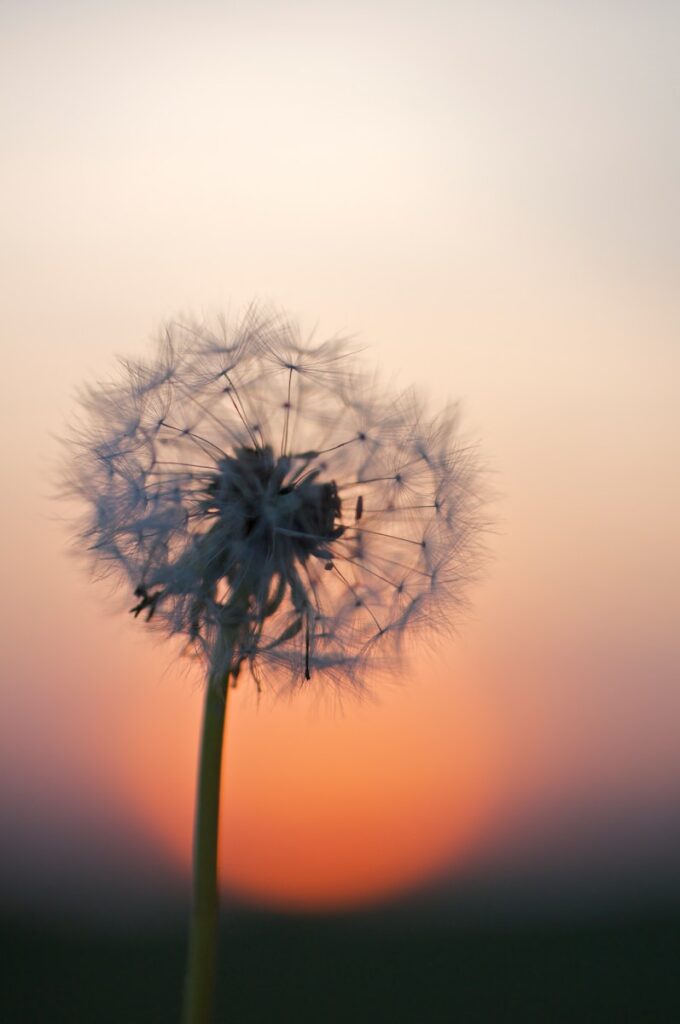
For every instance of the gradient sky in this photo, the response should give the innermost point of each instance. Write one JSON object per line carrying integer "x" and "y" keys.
{"x": 486, "y": 195}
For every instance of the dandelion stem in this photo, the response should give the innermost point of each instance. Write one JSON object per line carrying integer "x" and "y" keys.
{"x": 199, "y": 993}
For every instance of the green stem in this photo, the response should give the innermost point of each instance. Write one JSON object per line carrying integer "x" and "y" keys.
{"x": 199, "y": 993}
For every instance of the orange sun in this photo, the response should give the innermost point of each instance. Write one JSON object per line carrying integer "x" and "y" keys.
{"x": 323, "y": 809}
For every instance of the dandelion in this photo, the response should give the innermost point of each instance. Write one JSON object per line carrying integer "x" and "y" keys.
{"x": 266, "y": 503}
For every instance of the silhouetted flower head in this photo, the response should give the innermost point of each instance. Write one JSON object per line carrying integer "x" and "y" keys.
{"x": 262, "y": 498}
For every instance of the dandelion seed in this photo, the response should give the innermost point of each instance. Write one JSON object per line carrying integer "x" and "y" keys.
{"x": 207, "y": 542}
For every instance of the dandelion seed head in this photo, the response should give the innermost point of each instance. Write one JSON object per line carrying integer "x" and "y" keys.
{"x": 266, "y": 502}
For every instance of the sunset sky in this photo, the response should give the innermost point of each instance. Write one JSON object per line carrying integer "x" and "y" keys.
{"x": 483, "y": 194}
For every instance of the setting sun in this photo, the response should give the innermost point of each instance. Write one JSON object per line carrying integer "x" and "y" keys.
{"x": 327, "y": 806}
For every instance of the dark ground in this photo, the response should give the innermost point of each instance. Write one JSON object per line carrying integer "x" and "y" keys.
{"x": 623, "y": 968}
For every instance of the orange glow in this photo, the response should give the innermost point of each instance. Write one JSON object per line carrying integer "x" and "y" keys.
{"x": 322, "y": 809}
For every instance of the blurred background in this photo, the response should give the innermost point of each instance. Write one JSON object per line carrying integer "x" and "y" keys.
{"x": 484, "y": 195}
